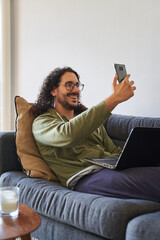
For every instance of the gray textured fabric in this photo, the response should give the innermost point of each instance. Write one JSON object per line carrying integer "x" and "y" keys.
{"x": 54, "y": 230}
{"x": 145, "y": 227}
{"x": 119, "y": 126}
{"x": 104, "y": 216}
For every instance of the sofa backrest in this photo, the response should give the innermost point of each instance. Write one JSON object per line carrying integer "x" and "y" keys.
{"x": 8, "y": 155}
{"x": 119, "y": 126}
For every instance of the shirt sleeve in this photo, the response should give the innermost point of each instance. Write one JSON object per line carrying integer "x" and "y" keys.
{"x": 52, "y": 131}
{"x": 109, "y": 145}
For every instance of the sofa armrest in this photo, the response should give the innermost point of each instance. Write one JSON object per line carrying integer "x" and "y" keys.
{"x": 8, "y": 155}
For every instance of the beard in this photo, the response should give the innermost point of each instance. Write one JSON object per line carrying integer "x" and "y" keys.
{"x": 64, "y": 102}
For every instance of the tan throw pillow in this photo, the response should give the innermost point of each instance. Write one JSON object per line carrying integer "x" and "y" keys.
{"x": 27, "y": 150}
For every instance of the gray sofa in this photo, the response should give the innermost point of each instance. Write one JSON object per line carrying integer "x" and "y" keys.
{"x": 66, "y": 214}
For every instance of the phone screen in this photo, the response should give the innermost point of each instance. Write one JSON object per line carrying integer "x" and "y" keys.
{"x": 121, "y": 71}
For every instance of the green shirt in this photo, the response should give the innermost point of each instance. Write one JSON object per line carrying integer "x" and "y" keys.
{"x": 65, "y": 143}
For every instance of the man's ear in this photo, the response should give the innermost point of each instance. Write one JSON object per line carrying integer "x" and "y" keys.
{"x": 53, "y": 92}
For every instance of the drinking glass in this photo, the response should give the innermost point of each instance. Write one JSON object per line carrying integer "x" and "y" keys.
{"x": 9, "y": 201}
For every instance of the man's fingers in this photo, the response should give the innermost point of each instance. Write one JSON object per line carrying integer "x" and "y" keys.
{"x": 115, "y": 80}
{"x": 127, "y": 78}
{"x": 132, "y": 83}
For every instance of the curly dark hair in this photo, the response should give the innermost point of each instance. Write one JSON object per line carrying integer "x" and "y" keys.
{"x": 45, "y": 100}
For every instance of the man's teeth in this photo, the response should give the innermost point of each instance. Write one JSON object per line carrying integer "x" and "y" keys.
{"x": 75, "y": 97}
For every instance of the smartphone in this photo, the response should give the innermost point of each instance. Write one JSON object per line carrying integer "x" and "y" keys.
{"x": 121, "y": 71}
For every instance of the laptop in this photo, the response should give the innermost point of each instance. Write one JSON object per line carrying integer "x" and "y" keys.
{"x": 142, "y": 149}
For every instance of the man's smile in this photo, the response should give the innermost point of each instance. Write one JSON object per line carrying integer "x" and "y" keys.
{"x": 74, "y": 96}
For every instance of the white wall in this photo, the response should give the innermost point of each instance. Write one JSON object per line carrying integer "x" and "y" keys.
{"x": 90, "y": 36}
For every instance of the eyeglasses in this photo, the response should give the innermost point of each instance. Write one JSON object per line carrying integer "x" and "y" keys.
{"x": 69, "y": 85}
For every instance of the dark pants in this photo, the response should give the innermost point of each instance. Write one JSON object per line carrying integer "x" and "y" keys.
{"x": 140, "y": 183}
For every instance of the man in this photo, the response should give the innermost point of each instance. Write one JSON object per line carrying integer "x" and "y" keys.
{"x": 66, "y": 133}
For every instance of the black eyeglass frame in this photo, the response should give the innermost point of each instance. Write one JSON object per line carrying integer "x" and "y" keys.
{"x": 80, "y": 86}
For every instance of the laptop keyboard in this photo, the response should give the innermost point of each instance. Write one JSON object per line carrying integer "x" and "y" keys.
{"x": 108, "y": 160}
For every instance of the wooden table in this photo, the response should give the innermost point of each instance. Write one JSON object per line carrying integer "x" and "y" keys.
{"x": 21, "y": 226}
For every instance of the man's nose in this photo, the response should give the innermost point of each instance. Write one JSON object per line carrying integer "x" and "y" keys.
{"x": 75, "y": 89}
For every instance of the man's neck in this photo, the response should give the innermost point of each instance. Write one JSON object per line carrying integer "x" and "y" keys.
{"x": 69, "y": 114}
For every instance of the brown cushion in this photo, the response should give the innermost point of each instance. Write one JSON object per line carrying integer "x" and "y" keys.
{"x": 27, "y": 150}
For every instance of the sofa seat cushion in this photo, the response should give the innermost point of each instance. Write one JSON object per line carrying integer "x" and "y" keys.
{"x": 105, "y": 216}
{"x": 144, "y": 227}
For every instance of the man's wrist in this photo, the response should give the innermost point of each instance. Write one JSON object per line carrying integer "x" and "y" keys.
{"x": 111, "y": 102}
